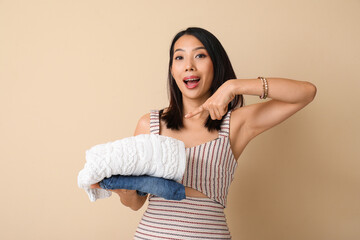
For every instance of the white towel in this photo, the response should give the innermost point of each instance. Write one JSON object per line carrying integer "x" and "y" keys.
{"x": 144, "y": 154}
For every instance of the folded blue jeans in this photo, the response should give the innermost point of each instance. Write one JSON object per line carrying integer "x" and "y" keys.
{"x": 144, "y": 184}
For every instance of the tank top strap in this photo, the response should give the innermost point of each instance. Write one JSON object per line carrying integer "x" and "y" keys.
{"x": 154, "y": 122}
{"x": 225, "y": 125}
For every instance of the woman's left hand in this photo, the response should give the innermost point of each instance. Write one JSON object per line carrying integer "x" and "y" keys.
{"x": 217, "y": 104}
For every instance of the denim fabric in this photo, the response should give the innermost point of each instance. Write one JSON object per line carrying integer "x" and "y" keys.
{"x": 161, "y": 187}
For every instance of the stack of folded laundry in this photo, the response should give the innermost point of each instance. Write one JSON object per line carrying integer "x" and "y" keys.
{"x": 147, "y": 163}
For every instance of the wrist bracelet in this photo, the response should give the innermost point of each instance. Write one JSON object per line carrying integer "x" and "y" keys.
{"x": 265, "y": 87}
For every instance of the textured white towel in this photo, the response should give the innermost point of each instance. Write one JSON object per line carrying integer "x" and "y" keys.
{"x": 144, "y": 154}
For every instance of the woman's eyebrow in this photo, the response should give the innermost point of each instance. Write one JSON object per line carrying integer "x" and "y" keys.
{"x": 197, "y": 48}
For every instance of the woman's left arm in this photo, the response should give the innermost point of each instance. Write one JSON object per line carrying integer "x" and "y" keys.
{"x": 287, "y": 97}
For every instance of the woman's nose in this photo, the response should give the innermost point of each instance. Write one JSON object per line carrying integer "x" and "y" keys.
{"x": 190, "y": 66}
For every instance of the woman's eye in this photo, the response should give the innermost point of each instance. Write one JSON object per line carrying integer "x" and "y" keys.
{"x": 178, "y": 58}
{"x": 201, "y": 55}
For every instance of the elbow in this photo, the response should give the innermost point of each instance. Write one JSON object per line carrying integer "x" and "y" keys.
{"x": 134, "y": 205}
{"x": 127, "y": 204}
{"x": 135, "y": 208}
{"x": 130, "y": 205}
{"x": 311, "y": 91}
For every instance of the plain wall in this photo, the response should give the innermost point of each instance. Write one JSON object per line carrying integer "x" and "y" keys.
{"x": 74, "y": 74}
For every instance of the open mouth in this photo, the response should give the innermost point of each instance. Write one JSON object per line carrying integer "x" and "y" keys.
{"x": 192, "y": 82}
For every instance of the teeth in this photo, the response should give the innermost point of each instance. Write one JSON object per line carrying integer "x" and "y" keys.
{"x": 192, "y": 79}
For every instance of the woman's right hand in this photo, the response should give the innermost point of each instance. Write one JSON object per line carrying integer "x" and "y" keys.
{"x": 120, "y": 192}
{"x": 129, "y": 198}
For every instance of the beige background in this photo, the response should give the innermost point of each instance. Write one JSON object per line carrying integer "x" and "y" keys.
{"x": 74, "y": 74}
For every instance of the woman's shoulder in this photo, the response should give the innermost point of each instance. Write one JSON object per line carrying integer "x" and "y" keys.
{"x": 143, "y": 125}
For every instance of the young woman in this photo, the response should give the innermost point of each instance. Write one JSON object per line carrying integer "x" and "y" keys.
{"x": 207, "y": 113}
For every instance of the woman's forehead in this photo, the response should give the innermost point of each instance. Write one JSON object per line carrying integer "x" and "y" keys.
{"x": 187, "y": 42}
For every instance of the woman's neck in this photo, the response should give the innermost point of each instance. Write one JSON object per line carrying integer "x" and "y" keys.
{"x": 190, "y": 105}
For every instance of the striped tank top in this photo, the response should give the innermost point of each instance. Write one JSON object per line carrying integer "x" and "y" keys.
{"x": 210, "y": 166}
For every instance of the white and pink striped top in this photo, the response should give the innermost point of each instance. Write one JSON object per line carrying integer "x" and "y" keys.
{"x": 211, "y": 165}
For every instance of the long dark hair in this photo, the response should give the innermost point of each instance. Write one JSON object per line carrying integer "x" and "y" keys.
{"x": 223, "y": 71}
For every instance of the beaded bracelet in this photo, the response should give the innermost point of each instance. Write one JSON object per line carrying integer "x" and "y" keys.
{"x": 265, "y": 88}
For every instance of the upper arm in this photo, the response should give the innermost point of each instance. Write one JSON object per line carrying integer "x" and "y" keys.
{"x": 143, "y": 125}
{"x": 263, "y": 116}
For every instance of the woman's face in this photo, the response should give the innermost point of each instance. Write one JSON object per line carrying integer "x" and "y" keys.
{"x": 192, "y": 67}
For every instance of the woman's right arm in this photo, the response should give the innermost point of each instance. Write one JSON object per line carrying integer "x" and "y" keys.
{"x": 129, "y": 197}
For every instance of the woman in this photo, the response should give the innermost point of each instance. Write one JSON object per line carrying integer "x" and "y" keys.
{"x": 206, "y": 112}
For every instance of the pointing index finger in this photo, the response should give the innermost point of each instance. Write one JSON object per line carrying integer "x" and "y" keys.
{"x": 197, "y": 111}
